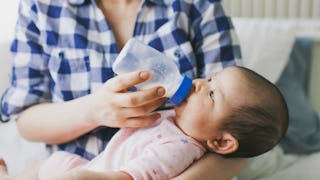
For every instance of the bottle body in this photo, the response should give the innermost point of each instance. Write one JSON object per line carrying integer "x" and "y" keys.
{"x": 138, "y": 56}
{"x": 162, "y": 76}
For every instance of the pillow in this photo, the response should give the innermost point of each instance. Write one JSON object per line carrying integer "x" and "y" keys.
{"x": 266, "y": 44}
{"x": 267, "y": 48}
{"x": 303, "y": 135}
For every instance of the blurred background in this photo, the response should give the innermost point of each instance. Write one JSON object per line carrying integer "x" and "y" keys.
{"x": 17, "y": 152}
{"x": 280, "y": 39}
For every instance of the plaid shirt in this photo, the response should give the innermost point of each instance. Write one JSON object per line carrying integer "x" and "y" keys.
{"x": 64, "y": 49}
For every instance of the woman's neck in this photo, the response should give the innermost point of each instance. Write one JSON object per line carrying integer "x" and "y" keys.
{"x": 121, "y": 16}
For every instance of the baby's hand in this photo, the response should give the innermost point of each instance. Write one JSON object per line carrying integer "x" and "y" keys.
{"x": 3, "y": 167}
{"x": 4, "y": 170}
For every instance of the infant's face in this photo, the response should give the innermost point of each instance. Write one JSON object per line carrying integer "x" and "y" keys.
{"x": 209, "y": 101}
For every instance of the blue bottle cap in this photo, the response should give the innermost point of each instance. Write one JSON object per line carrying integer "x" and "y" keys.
{"x": 182, "y": 91}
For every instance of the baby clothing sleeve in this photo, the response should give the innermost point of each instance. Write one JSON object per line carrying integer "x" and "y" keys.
{"x": 58, "y": 163}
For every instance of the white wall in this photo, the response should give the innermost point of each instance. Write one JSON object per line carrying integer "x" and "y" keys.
{"x": 8, "y": 16}
{"x": 274, "y": 8}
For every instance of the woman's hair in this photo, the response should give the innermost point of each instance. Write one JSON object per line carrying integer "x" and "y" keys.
{"x": 258, "y": 126}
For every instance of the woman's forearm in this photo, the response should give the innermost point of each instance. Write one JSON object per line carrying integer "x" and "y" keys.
{"x": 55, "y": 123}
{"x": 213, "y": 166}
{"x": 112, "y": 106}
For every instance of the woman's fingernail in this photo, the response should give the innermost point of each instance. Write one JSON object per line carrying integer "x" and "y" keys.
{"x": 161, "y": 91}
{"x": 144, "y": 75}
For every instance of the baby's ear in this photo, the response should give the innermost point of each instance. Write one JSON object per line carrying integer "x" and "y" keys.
{"x": 223, "y": 144}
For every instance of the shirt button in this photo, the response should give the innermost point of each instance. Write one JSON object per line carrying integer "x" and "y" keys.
{"x": 177, "y": 53}
{"x": 61, "y": 55}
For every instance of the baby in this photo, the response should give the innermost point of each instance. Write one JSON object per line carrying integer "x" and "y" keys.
{"x": 234, "y": 113}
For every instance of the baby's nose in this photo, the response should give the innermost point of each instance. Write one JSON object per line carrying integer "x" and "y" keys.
{"x": 197, "y": 84}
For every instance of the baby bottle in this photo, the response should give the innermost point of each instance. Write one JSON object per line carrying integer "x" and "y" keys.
{"x": 138, "y": 56}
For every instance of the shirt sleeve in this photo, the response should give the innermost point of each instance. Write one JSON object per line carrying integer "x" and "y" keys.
{"x": 164, "y": 160}
{"x": 213, "y": 37}
{"x": 29, "y": 78}
{"x": 59, "y": 162}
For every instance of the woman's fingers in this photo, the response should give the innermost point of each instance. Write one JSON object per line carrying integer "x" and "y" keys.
{"x": 131, "y": 116}
{"x": 125, "y": 81}
{"x": 139, "y": 98}
{"x": 113, "y": 106}
{"x": 144, "y": 109}
{"x": 142, "y": 121}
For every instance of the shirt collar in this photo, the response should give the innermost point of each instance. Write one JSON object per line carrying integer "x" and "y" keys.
{"x": 76, "y": 2}
{"x": 160, "y": 2}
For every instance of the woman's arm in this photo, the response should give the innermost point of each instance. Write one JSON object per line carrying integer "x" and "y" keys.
{"x": 213, "y": 166}
{"x": 110, "y": 106}
{"x": 55, "y": 122}
{"x": 81, "y": 174}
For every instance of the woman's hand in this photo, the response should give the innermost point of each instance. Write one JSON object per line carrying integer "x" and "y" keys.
{"x": 114, "y": 106}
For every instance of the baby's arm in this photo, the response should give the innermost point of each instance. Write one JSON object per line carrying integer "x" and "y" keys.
{"x": 73, "y": 174}
{"x": 29, "y": 173}
{"x": 58, "y": 163}
{"x": 65, "y": 166}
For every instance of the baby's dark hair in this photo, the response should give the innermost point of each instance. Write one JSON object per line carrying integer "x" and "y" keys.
{"x": 259, "y": 126}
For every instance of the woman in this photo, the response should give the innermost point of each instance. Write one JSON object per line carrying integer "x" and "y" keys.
{"x": 63, "y": 90}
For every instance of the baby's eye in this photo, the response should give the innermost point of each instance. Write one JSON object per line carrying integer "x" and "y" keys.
{"x": 211, "y": 95}
{"x": 209, "y": 80}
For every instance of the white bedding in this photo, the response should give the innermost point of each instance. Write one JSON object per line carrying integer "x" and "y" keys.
{"x": 17, "y": 152}
{"x": 275, "y": 165}
{"x": 265, "y": 45}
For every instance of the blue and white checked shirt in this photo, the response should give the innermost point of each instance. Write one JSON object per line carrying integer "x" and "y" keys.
{"x": 64, "y": 49}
